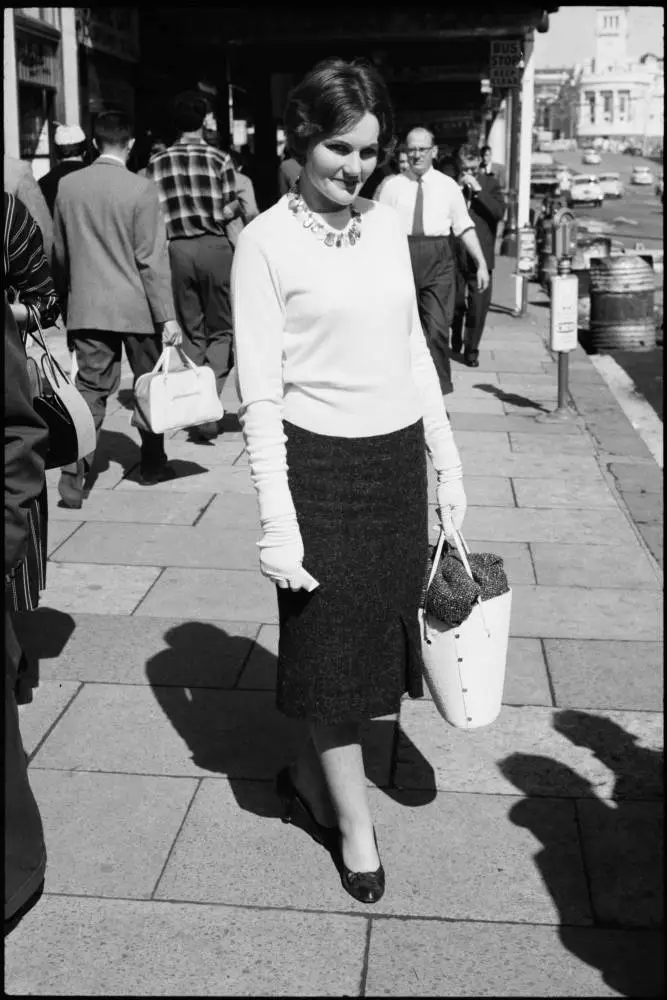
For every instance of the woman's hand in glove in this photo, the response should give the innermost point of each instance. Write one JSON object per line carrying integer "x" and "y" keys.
{"x": 452, "y": 503}
{"x": 281, "y": 556}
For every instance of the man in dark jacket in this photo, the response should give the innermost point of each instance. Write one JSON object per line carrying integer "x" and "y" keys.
{"x": 71, "y": 145}
{"x": 486, "y": 207}
{"x": 25, "y": 447}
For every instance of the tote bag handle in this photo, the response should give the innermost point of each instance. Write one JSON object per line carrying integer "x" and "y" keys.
{"x": 164, "y": 359}
{"x": 463, "y": 551}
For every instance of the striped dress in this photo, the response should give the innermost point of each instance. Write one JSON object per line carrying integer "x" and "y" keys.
{"x": 27, "y": 273}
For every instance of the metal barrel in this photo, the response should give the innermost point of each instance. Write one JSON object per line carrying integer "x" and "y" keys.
{"x": 622, "y": 294}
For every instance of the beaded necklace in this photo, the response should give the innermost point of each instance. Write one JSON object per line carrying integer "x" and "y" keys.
{"x": 331, "y": 237}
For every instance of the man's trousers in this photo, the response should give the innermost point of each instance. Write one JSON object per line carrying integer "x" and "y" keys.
{"x": 99, "y": 354}
{"x": 433, "y": 270}
{"x": 200, "y": 272}
{"x": 470, "y": 311}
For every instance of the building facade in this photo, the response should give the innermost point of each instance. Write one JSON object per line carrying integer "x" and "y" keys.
{"x": 64, "y": 65}
{"x": 619, "y": 99}
{"x": 555, "y": 104}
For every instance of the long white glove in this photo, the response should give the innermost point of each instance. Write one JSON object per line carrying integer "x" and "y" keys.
{"x": 452, "y": 502}
{"x": 281, "y": 551}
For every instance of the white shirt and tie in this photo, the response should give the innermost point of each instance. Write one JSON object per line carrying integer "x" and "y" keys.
{"x": 443, "y": 205}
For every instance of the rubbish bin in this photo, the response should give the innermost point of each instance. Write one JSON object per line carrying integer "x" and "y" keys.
{"x": 622, "y": 295}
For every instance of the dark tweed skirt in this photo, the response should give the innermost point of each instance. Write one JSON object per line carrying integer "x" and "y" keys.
{"x": 349, "y": 650}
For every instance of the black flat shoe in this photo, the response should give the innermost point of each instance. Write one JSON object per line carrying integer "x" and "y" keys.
{"x": 365, "y": 887}
{"x": 290, "y": 797}
{"x": 471, "y": 360}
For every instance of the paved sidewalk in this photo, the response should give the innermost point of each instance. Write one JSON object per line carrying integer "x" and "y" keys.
{"x": 522, "y": 860}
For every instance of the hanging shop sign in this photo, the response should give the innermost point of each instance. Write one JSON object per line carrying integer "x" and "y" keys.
{"x": 113, "y": 30}
{"x": 36, "y": 60}
{"x": 506, "y": 63}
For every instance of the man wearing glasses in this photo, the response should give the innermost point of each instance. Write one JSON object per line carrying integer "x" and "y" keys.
{"x": 431, "y": 207}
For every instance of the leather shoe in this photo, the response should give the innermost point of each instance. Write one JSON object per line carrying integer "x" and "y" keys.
{"x": 151, "y": 476}
{"x": 365, "y": 887}
{"x": 471, "y": 359}
{"x": 70, "y": 487}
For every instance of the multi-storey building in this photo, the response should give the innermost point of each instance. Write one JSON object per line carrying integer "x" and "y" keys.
{"x": 64, "y": 64}
{"x": 619, "y": 98}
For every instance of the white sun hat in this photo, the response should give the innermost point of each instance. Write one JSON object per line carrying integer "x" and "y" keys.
{"x": 69, "y": 135}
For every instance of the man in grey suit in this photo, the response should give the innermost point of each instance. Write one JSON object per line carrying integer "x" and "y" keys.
{"x": 112, "y": 266}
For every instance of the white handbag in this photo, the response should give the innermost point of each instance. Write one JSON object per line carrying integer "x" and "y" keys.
{"x": 171, "y": 400}
{"x": 464, "y": 667}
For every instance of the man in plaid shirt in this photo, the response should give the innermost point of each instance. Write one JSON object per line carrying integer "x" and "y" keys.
{"x": 197, "y": 189}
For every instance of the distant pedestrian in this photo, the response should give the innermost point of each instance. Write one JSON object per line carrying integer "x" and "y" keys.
{"x": 26, "y": 437}
{"x": 288, "y": 172}
{"x": 339, "y": 401}
{"x": 111, "y": 255}
{"x": 157, "y": 145}
{"x": 486, "y": 206}
{"x": 197, "y": 188}
{"x": 245, "y": 194}
{"x": 19, "y": 180}
{"x": 431, "y": 208}
{"x": 71, "y": 145}
{"x": 491, "y": 169}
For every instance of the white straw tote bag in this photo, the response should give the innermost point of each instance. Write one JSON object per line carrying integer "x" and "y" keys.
{"x": 464, "y": 667}
{"x": 169, "y": 400}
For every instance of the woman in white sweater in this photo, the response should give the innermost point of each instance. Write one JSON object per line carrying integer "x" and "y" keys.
{"x": 339, "y": 402}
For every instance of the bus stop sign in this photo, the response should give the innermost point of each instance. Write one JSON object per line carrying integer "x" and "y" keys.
{"x": 506, "y": 64}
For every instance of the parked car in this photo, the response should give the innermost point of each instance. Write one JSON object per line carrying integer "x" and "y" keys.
{"x": 585, "y": 189}
{"x": 591, "y": 157}
{"x": 631, "y": 150}
{"x": 611, "y": 185}
{"x": 642, "y": 175}
{"x": 543, "y": 180}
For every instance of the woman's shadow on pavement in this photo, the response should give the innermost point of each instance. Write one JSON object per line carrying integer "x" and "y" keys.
{"x": 218, "y": 692}
{"x": 621, "y": 843}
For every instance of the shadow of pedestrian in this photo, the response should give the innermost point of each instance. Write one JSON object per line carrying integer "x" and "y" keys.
{"x": 42, "y": 635}
{"x": 113, "y": 446}
{"x": 512, "y": 398}
{"x": 228, "y": 719}
{"x": 621, "y": 849}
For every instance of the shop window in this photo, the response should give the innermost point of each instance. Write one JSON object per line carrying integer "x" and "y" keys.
{"x": 624, "y": 105}
{"x": 36, "y": 110}
{"x": 48, "y": 15}
{"x": 589, "y": 99}
{"x": 607, "y": 105}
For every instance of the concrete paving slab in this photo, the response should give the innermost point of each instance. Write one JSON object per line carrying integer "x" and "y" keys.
{"x": 574, "y": 527}
{"x": 586, "y": 613}
{"x": 537, "y": 404}
{"x": 189, "y": 732}
{"x": 235, "y": 595}
{"x": 482, "y": 441}
{"x": 117, "y": 649}
{"x": 536, "y": 466}
{"x": 468, "y": 377}
{"x": 176, "y": 950}
{"x": 489, "y": 491}
{"x": 645, "y": 508}
{"x": 505, "y": 363}
{"x": 534, "y": 379}
{"x": 550, "y": 444}
{"x": 584, "y": 493}
{"x": 161, "y": 545}
{"x": 637, "y": 478}
{"x": 483, "y": 849}
{"x": 624, "y": 674}
{"x": 546, "y": 388}
{"x": 195, "y": 477}
{"x": 456, "y": 403}
{"x": 591, "y": 565}
{"x": 505, "y": 424}
{"x": 522, "y": 753}
{"x": 108, "y": 834}
{"x": 59, "y": 531}
{"x": 146, "y": 505}
{"x": 49, "y": 702}
{"x": 259, "y": 673}
{"x": 211, "y": 455}
{"x": 432, "y": 959}
{"x": 653, "y": 535}
{"x": 231, "y": 511}
{"x": 623, "y": 847}
{"x": 85, "y": 588}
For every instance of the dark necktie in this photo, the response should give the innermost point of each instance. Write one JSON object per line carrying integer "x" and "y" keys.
{"x": 418, "y": 217}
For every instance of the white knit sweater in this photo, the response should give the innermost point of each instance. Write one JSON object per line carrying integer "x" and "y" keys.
{"x": 329, "y": 339}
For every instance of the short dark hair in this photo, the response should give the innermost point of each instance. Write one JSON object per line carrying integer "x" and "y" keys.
{"x": 467, "y": 152}
{"x": 113, "y": 128}
{"x": 188, "y": 111}
{"x": 332, "y": 98}
{"x": 484, "y": 149}
{"x": 72, "y": 149}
